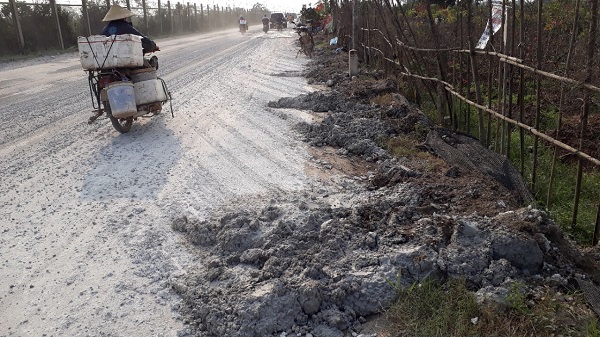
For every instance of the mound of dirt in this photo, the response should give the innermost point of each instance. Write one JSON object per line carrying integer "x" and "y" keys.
{"x": 321, "y": 262}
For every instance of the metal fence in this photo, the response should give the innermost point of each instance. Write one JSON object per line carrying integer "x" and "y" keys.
{"x": 530, "y": 91}
{"x": 165, "y": 17}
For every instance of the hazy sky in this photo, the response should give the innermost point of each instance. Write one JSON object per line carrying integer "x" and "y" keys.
{"x": 293, "y": 6}
{"x": 273, "y": 5}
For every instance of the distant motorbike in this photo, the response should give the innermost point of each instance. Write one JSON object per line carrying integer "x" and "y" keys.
{"x": 243, "y": 26}
{"x": 265, "y": 27}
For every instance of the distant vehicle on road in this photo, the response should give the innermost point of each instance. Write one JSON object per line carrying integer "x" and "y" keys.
{"x": 278, "y": 18}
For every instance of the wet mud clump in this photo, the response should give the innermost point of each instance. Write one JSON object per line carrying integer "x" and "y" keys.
{"x": 320, "y": 262}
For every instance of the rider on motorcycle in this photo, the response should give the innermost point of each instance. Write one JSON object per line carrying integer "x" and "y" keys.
{"x": 243, "y": 24}
{"x": 117, "y": 25}
{"x": 265, "y": 22}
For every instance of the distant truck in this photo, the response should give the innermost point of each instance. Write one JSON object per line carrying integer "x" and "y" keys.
{"x": 277, "y": 17}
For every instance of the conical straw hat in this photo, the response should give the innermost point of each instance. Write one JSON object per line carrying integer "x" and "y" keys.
{"x": 117, "y": 12}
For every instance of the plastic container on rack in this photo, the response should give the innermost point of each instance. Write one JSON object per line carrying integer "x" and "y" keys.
{"x": 121, "y": 97}
{"x": 105, "y": 52}
{"x": 149, "y": 92}
{"x": 144, "y": 74}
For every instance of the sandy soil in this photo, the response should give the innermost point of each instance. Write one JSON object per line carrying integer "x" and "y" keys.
{"x": 86, "y": 244}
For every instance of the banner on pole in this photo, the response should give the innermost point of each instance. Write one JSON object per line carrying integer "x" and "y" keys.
{"x": 497, "y": 16}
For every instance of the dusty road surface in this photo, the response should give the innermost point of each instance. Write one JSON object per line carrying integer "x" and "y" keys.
{"x": 223, "y": 222}
{"x": 86, "y": 244}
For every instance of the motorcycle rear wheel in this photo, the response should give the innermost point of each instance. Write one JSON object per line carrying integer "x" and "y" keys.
{"x": 123, "y": 125}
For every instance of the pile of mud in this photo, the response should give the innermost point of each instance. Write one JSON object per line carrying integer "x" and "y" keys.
{"x": 321, "y": 262}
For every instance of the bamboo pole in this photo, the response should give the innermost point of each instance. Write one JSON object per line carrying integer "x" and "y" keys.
{"x": 561, "y": 102}
{"x": 475, "y": 72}
{"x": 59, "y": 31}
{"x": 85, "y": 15}
{"x": 490, "y": 81}
{"x": 160, "y": 18}
{"x": 538, "y": 93}
{"x": 511, "y": 81}
{"x": 596, "y": 227}
{"x": 440, "y": 69}
{"x": 521, "y": 125}
{"x": 145, "y": 16}
{"x": 517, "y": 62}
{"x": 586, "y": 103}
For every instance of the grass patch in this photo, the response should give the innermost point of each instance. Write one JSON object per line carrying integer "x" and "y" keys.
{"x": 406, "y": 146}
{"x": 560, "y": 204}
{"x": 430, "y": 309}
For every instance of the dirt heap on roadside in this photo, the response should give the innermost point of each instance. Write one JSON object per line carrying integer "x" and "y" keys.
{"x": 319, "y": 263}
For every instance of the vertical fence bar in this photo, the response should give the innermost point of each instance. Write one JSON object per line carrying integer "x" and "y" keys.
{"x": 586, "y": 103}
{"x": 17, "y": 22}
{"x": 596, "y": 226}
{"x": 86, "y": 16}
{"x": 170, "y": 13}
{"x": 471, "y": 62}
{"x": 189, "y": 16}
{"x": 196, "y": 16}
{"x": 504, "y": 109}
{"x": 461, "y": 70}
{"x": 490, "y": 81}
{"x": 538, "y": 94}
{"x": 160, "y": 18}
{"x": 521, "y": 84}
{"x": 145, "y": 16}
{"x": 511, "y": 78}
{"x": 561, "y": 102}
{"x": 59, "y": 31}
{"x": 354, "y": 24}
{"x": 201, "y": 22}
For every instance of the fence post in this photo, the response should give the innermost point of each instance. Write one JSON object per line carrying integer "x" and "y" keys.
{"x": 180, "y": 11}
{"x": 107, "y": 5}
{"x": 128, "y": 5}
{"x": 160, "y": 18}
{"x": 170, "y": 15}
{"x": 145, "y": 16}
{"x": 353, "y": 63}
{"x": 55, "y": 14}
{"x": 201, "y": 23}
{"x": 85, "y": 16}
{"x": 586, "y": 103}
{"x": 354, "y": 25}
{"x": 538, "y": 95}
{"x": 17, "y": 23}
{"x": 187, "y": 12}
{"x": 597, "y": 226}
{"x": 196, "y": 15}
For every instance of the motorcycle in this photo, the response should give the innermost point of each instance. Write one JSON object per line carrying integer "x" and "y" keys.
{"x": 243, "y": 26}
{"x": 265, "y": 27}
{"x": 125, "y": 94}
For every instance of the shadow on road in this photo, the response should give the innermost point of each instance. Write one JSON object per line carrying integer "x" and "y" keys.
{"x": 135, "y": 164}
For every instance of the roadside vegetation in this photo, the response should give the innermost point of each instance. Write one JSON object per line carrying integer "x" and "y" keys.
{"x": 431, "y": 309}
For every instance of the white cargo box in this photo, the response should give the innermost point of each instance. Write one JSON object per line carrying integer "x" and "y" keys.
{"x": 149, "y": 92}
{"x": 116, "y": 51}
